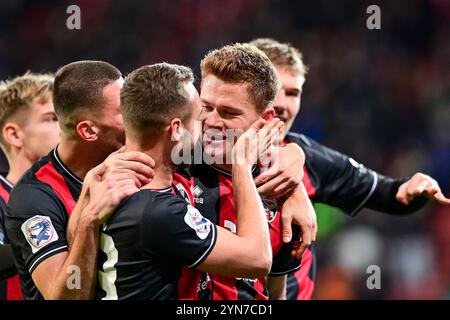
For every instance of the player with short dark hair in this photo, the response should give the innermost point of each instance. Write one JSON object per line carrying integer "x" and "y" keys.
{"x": 332, "y": 177}
{"x": 29, "y": 131}
{"x": 156, "y": 233}
{"x": 48, "y": 246}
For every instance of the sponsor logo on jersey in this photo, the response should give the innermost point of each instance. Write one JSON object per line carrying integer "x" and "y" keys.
{"x": 196, "y": 221}
{"x": 271, "y": 208}
{"x": 183, "y": 192}
{"x": 197, "y": 192}
{"x": 39, "y": 232}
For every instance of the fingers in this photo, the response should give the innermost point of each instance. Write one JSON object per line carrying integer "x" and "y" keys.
{"x": 417, "y": 189}
{"x": 137, "y": 167}
{"x": 305, "y": 242}
{"x": 284, "y": 188}
{"x": 258, "y": 124}
{"x": 272, "y": 132}
{"x": 286, "y": 225}
{"x": 441, "y": 199}
{"x": 266, "y": 176}
{"x": 139, "y": 157}
{"x": 421, "y": 185}
{"x": 99, "y": 171}
{"x": 268, "y": 187}
{"x": 126, "y": 175}
{"x": 401, "y": 195}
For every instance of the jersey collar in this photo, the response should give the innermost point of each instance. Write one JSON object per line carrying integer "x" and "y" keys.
{"x": 54, "y": 153}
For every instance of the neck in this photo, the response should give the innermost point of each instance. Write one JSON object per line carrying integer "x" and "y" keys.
{"x": 164, "y": 168}
{"x": 78, "y": 157}
{"x": 18, "y": 164}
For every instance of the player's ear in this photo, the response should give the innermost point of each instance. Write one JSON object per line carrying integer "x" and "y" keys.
{"x": 87, "y": 130}
{"x": 176, "y": 129}
{"x": 13, "y": 134}
{"x": 268, "y": 114}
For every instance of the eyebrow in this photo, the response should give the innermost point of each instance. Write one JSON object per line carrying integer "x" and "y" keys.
{"x": 226, "y": 107}
{"x": 292, "y": 90}
{"x": 48, "y": 113}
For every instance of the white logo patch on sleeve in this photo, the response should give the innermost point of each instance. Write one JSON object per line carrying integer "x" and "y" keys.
{"x": 39, "y": 232}
{"x": 196, "y": 221}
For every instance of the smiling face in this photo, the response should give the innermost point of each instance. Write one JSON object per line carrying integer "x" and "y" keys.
{"x": 225, "y": 106}
{"x": 288, "y": 98}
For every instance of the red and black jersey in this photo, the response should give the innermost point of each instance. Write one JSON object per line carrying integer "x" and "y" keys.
{"x": 213, "y": 196}
{"x": 335, "y": 179}
{"x": 37, "y": 216}
{"x": 152, "y": 238}
{"x": 9, "y": 288}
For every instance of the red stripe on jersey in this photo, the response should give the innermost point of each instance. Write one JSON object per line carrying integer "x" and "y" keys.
{"x": 188, "y": 284}
{"x": 4, "y": 193}
{"x": 50, "y": 176}
{"x": 186, "y": 184}
{"x": 14, "y": 292}
{"x": 310, "y": 189}
{"x": 225, "y": 287}
{"x": 305, "y": 284}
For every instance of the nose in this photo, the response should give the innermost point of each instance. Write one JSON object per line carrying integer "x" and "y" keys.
{"x": 280, "y": 104}
{"x": 213, "y": 120}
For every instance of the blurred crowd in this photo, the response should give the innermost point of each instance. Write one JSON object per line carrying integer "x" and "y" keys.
{"x": 380, "y": 96}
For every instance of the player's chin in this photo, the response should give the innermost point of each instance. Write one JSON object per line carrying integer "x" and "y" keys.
{"x": 215, "y": 152}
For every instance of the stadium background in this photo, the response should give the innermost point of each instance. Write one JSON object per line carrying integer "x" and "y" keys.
{"x": 380, "y": 96}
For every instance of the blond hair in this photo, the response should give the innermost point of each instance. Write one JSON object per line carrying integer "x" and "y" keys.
{"x": 17, "y": 95}
{"x": 246, "y": 64}
{"x": 282, "y": 54}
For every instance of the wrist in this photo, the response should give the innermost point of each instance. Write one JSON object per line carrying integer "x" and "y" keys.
{"x": 90, "y": 217}
{"x": 242, "y": 168}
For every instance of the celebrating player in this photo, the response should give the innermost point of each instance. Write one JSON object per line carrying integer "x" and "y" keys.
{"x": 30, "y": 130}
{"x": 239, "y": 85}
{"x": 157, "y": 231}
{"x": 332, "y": 177}
{"x": 86, "y": 96}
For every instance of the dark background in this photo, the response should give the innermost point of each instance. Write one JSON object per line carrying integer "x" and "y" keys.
{"x": 381, "y": 96}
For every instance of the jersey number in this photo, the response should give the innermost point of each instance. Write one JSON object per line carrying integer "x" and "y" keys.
{"x": 107, "y": 277}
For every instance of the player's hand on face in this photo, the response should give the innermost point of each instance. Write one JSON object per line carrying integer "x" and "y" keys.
{"x": 130, "y": 165}
{"x": 105, "y": 192}
{"x": 256, "y": 141}
{"x": 421, "y": 185}
{"x": 285, "y": 173}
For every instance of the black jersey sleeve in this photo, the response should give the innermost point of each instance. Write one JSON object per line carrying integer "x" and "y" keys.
{"x": 173, "y": 228}
{"x": 7, "y": 265}
{"x": 3, "y": 238}
{"x": 342, "y": 182}
{"x": 283, "y": 262}
{"x": 36, "y": 224}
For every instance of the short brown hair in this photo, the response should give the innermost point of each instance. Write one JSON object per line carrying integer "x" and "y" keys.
{"x": 18, "y": 94}
{"x": 244, "y": 63}
{"x": 282, "y": 54}
{"x": 153, "y": 95}
{"x": 79, "y": 85}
